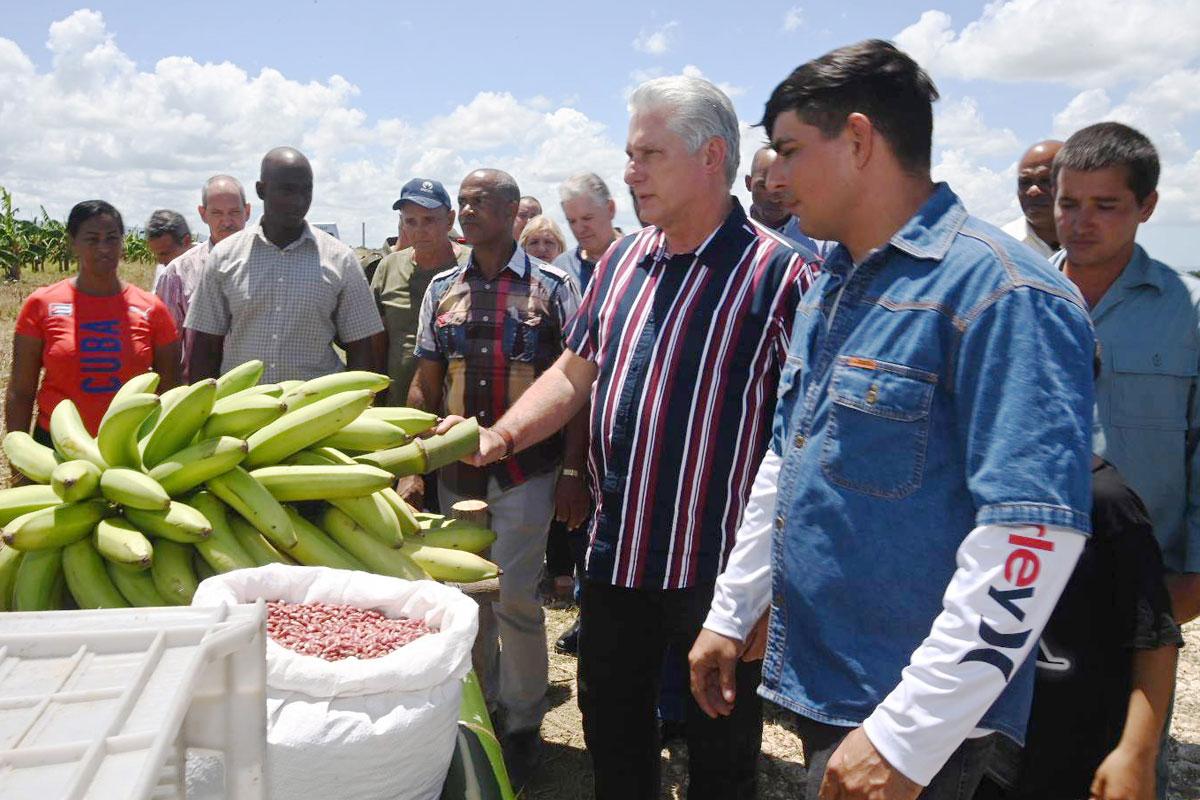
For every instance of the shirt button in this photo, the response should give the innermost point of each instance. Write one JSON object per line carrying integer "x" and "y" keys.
{"x": 483, "y": 349}
{"x": 485, "y": 319}
{"x": 279, "y": 308}
{"x": 274, "y": 335}
{"x": 800, "y": 440}
{"x": 281, "y": 280}
{"x": 487, "y": 286}
{"x": 1157, "y": 360}
{"x": 779, "y": 523}
{"x": 483, "y": 383}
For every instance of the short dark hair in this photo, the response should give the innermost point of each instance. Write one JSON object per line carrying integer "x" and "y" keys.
{"x": 1111, "y": 144}
{"x": 165, "y": 222}
{"x": 84, "y": 211}
{"x": 874, "y": 78}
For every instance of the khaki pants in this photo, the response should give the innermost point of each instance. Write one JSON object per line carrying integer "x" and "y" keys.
{"x": 513, "y": 671}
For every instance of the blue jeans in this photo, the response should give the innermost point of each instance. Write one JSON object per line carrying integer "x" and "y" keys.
{"x": 956, "y": 781}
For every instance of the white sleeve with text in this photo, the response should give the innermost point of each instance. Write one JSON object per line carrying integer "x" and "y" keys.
{"x": 1008, "y": 580}
{"x": 743, "y": 590}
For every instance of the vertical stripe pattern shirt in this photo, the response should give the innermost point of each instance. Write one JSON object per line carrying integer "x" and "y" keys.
{"x": 688, "y": 348}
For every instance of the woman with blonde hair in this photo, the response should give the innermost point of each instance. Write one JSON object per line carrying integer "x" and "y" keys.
{"x": 543, "y": 239}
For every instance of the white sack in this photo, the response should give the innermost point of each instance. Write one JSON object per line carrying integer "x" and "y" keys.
{"x": 375, "y": 728}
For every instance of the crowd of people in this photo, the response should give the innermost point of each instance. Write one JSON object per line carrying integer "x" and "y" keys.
{"x": 928, "y": 485}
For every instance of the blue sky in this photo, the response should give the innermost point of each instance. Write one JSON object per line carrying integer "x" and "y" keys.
{"x": 137, "y": 102}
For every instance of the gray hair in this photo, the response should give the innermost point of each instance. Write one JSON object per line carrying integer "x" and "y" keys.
{"x": 586, "y": 184}
{"x": 216, "y": 180}
{"x": 699, "y": 112}
{"x": 167, "y": 222}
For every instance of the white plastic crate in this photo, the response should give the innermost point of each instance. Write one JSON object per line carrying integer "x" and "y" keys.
{"x": 107, "y": 704}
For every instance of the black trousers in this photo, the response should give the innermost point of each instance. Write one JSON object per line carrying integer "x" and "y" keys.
{"x": 623, "y": 638}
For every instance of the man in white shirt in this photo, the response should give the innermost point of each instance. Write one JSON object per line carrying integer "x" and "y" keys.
{"x": 1036, "y": 225}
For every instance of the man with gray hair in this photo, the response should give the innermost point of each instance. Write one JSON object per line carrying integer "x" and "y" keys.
{"x": 224, "y": 209}
{"x": 167, "y": 237}
{"x": 679, "y": 342}
{"x": 589, "y": 209}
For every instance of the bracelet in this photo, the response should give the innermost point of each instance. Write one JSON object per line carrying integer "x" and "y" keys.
{"x": 567, "y": 472}
{"x": 509, "y": 444}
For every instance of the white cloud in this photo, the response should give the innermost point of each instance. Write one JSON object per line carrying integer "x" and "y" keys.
{"x": 639, "y": 76}
{"x": 959, "y": 126}
{"x": 1079, "y": 42}
{"x": 988, "y": 193}
{"x": 1091, "y": 105}
{"x": 692, "y": 71}
{"x": 96, "y": 125}
{"x": 1160, "y": 110}
{"x": 656, "y": 42}
{"x": 1132, "y": 62}
{"x": 793, "y": 20}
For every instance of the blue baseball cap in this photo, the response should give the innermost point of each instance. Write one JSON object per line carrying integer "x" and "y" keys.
{"x": 423, "y": 192}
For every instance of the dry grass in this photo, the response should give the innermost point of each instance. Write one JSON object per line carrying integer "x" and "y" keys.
{"x": 566, "y": 771}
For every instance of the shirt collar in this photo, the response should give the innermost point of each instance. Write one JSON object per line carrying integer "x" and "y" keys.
{"x": 932, "y": 229}
{"x": 306, "y": 234}
{"x": 724, "y": 246}
{"x": 1140, "y": 271}
{"x": 519, "y": 263}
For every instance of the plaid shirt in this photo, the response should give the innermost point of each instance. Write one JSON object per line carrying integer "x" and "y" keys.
{"x": 285, "y": 306}
{"x": 495, "y": 337}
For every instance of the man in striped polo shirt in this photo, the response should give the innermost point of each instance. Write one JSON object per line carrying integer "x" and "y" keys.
{"x": 679, "y": 343}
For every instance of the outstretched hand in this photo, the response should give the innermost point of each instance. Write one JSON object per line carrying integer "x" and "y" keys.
{"x": 491, "y": 444}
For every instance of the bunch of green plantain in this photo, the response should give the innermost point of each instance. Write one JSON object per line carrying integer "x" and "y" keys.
{"x": 221, "y": 475}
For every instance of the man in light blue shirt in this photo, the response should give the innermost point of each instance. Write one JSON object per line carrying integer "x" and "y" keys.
{"x": 1147, "y": 319}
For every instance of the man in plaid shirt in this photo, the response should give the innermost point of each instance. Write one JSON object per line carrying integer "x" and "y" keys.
{"x": 282, "y": 290}
{"x": 487, "y": 330}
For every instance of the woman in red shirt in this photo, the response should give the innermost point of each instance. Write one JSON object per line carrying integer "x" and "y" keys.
{"x": 90, "y": 333}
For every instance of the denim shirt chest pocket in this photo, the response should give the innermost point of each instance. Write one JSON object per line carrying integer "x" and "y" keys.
{"x": 878, "y": 426}
{"x": 1151, "y": 386}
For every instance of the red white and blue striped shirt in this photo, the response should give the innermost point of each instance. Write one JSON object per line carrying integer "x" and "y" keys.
{"x": 689, "y": 349}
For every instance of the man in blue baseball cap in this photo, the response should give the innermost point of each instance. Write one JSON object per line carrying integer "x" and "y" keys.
{"x": 400, "y": 281}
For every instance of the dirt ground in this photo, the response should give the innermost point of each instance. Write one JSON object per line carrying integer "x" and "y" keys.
{"x": 566, "y": 772}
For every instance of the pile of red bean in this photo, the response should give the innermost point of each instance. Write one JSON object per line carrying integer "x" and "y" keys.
{"x": 334, "y": 632}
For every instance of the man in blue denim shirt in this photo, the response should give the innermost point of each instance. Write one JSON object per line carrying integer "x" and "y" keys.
{"x": 927, "y": 491}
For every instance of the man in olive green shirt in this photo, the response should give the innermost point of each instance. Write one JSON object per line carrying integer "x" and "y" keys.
{"x": 400, "y": 280}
